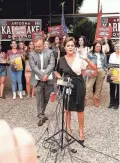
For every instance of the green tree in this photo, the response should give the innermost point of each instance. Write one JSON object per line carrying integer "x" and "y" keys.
{"x": 86, "y": 28}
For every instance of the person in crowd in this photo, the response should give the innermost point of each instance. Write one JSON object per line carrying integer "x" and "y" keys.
{"x": 82, "y": 48}
{"x": 28, "y": 70}
{"x": 105, "y": 45}
{"x": 111, "y": 49}
{"x": 114, "y": 88}
{"x": 56, "y": 49}
{"x": 70, "y": 66}
{"x": 62, "y": 46}
{"x": 46, "y": 44}
{"x": 16, "y": 145}
{"x": 23, "y": 50}
{"x": 15, "y": 72}
{"x": 3, "y": 72}
{"x": 98, "y": 58}
{"x": 42, "y": 63}
{"x": 105, "y": 50}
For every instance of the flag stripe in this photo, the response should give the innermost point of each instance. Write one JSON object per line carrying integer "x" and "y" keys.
{"x": 64, "y": 27}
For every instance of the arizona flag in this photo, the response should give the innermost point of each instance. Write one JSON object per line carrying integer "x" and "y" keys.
{"x": 98, "y": 23}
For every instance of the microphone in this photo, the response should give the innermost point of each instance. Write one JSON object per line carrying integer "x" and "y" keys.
{"x": 69, "y": 84}
{"x": 65, "y": 82}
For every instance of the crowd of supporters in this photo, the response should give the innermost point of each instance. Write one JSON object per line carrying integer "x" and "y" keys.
{"x": 101, "y": 53}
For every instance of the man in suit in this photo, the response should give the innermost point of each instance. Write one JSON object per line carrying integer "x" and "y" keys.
{"x": 42, "y": 63}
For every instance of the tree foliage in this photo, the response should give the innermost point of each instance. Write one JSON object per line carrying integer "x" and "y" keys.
{"x": 86, "y": 28}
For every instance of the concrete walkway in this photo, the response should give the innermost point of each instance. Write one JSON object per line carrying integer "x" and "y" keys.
{"x": 101, "y": 129}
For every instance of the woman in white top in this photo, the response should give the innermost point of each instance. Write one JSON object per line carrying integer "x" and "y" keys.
{"x": 114, "y": 88}
{"x": 70, "y": 66}
{"x": 82, "y": 48}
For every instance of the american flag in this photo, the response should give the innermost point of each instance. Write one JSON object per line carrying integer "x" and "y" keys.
{"x": 64, "y": 27}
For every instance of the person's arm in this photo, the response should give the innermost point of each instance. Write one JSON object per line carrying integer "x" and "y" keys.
{"x": 8, "y": 57}
{"x": 23, "y": 55}
{"x": 57, "y": 75}
{"x": 34, "y": 66}
{"x": 57, "y": 71}
{"x": 51, "y": 64}
{"x": 91, "y": 64}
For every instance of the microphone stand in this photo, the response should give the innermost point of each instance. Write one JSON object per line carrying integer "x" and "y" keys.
{"x": 60, "y": 143}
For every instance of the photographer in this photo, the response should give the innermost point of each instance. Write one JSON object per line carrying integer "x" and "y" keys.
{"x": 71, "y": 66}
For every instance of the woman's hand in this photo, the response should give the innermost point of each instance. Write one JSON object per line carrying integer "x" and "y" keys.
{"x": 12, "y": 62}
{"x": 114, "y": 78}
{"x": 57, "y": 75}
{"x": 16, "y": 146}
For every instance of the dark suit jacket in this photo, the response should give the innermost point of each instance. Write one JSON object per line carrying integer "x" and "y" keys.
{"x": 35, "y": 64}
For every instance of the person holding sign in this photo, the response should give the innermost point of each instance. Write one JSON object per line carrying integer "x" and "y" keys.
{"x": 115, "y": 77}
{"x": 23, "y": 50}
{"x": 14, "y": 57}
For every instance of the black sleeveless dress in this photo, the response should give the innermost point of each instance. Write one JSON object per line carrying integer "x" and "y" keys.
{"x": 77, "y": 97}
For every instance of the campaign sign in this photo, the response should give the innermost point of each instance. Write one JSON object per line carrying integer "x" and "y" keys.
{"x": 114, "y": 22}
{"x": 38, "y": 34}
{"x": 55, "y": 30}
{"x": 7, "y": 27}
{"x": 113, "y": 73}
{"x": 105, "y": 32}
{"x": 19, "y": 31}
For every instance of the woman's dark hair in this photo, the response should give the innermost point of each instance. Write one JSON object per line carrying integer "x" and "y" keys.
{"x": 13, "y": 41}
{"x": 94, "y": 45}
{"x": 111, "y": 46}
{"x": 57, "y": 37}
{"x": 21, "y": 42}
{"x": 69, "y": 39}
{"x": 84, "y": 41}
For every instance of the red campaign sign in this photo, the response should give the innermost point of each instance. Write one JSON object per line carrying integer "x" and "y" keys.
{"x": 113, "y": 21}
{"x": 7, "y": 27}
{"x": 19, "y": 31}
{"x": 105, "y": 32}
{"x": 38, "y": 34}
{"x": 55, "y": 30}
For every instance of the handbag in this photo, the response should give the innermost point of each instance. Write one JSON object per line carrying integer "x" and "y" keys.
{"x": 27, "y": 66}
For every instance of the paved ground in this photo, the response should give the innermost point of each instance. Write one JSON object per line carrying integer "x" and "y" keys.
{"x": 101, "y": 129}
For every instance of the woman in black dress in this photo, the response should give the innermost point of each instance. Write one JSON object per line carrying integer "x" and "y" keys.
{"x": 71, "y": 66}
